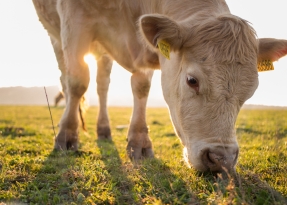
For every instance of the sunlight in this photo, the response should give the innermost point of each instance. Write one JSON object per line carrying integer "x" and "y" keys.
{"x": 90, "y": 60}
{"x": 92, "y": 64}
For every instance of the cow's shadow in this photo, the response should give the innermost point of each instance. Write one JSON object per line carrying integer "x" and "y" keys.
{"x": 54, "y": 181}
{"x": 150, "y": 181}
{"x": 236, "y": 188}
{"x": 122, "y": 188}
{"x": 153, "y": 181}
{"x": 60, "y": 179}
{"x": 253, "y": 190}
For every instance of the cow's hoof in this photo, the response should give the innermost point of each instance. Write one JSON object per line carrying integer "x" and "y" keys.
{"x": 138, "y": 153}
{"x": 66, "y": 141}
{"x": 104, "y": 133}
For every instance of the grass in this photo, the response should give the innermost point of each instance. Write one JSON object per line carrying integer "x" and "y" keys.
{"x": 101, "y": 173}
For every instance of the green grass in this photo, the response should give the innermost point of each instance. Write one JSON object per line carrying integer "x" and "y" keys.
{"x": 101, "y": 173}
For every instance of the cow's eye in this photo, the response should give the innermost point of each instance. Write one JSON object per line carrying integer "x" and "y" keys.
{"x": 193, "y": 83}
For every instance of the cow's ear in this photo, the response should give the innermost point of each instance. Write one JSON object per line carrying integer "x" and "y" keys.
{"x": 271, "y": 49}
{"x": 155, "y": 27}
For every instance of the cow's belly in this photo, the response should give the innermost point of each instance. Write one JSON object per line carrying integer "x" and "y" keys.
{"x": 131, "y": 62}
{"x": 129, "y": 53}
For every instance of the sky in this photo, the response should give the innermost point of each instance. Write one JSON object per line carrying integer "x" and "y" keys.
{"x": 27, "y": 57}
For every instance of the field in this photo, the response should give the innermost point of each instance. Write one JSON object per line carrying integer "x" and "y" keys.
{"x": 101, "y": 173}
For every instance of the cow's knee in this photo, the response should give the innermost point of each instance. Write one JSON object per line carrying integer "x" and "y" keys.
{"x": 141, "y": 83}
{"x": 76, "y": 87}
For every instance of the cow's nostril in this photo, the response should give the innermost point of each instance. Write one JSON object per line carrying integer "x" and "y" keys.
{"x": 218, "y": 160}
{"x": 207, "y": 161}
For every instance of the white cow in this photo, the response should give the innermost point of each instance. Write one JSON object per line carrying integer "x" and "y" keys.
{"x": 208, "y": 58}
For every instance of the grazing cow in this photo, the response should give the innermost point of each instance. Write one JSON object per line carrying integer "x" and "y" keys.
{"x": 58, "y": 98}
{"x": 207, "y": 56}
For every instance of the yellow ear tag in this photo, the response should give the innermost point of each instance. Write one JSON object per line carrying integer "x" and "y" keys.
{"x": 265, "y": 65}
{"x": 164, "y": 48}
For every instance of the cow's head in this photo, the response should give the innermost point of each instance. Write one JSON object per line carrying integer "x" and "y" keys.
{"x": 211, "y": 72}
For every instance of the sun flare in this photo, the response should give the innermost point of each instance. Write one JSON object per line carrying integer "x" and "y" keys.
{"x": 90, "y": 60}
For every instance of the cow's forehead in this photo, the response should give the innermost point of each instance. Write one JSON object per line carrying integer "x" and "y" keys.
{"x": 224, "y": 39}
{"x": 223, "y": 52}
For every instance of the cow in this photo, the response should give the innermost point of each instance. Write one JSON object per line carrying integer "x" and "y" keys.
{"x": 207, "y": 56}
{"x": 59, "y": 97}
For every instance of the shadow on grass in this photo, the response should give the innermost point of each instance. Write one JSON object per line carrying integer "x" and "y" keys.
{"x": 15, "y": 132}
{"x": 252, "y": 190}
{"x": 54, "y": 181}
{"x": 64, "y": 178}
{"x": 147, "y": 182}
{"x": 248, "y": 130}
{"x": 240, "y": 189}
{"x": 58, "y": 178}
{"x": 162, "y": 186}
{"x": 122, "y": 186}
{"x": 153, "y": 182}
{"x": 279, "y": 134}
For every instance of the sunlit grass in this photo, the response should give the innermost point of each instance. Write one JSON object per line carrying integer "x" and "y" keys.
{"x": 101, "y": 173}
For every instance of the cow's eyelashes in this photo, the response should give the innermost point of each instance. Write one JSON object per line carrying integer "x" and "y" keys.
{"x": 193, "y": 83}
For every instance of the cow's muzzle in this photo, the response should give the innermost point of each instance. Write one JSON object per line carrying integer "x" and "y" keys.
{"x": 220, "y": 159}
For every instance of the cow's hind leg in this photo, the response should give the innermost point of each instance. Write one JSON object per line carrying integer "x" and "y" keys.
{"x": 62, "y": 67}
{"x": 104, "y": 63}
{"x": 76, "y": 40}
{"x": 139, "y": 144}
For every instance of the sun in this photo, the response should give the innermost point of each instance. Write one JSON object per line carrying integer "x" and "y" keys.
{"x": 90, "y": 60}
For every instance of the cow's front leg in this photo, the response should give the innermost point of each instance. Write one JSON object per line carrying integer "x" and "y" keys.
{"x": 77, "y": 79}
{"x": 139, "y": 143}
{"x": 75, "y": 44}
{"x": 103, "y": 80}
